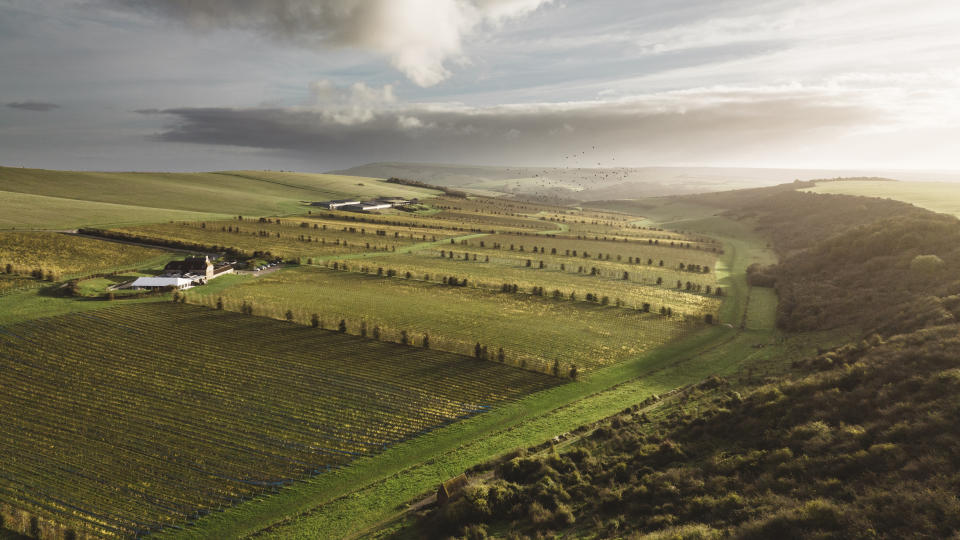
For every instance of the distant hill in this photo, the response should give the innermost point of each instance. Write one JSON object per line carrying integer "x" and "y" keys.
{"x": 582, "y": 184}
{"x": 66, "y": 199}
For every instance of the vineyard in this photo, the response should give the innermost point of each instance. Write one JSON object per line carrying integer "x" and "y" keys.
{"x": 134, "y": 418}
{"x": 633, "y": 286}
{"x": 585, "y": 334}
{"x": 54, "y": 256}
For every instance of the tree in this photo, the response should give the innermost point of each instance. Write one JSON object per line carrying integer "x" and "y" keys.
{"x": 343, "y": 326}
{"x": 289, "y": 315}
{"x": 315, "y": 320}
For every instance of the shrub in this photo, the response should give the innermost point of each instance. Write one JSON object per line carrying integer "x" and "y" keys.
{"x": 926, "y": 264}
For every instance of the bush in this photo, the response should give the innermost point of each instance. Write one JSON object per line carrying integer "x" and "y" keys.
{"x": 927, "y": 264}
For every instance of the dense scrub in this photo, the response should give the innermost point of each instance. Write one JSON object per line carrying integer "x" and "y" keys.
{"x": 54, "y": 256}
{"x": 861, "y": 445}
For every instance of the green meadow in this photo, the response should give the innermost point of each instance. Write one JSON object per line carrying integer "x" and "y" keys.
{"x": 38, "y": 198}
{"x": 940, "y": 197}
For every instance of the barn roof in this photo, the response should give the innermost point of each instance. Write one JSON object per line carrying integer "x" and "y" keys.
{"x": 190, "y": 263}
{"x": 161, "y": 282}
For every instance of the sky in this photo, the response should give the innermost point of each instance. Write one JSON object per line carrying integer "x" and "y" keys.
{"x": 317, "y": 85}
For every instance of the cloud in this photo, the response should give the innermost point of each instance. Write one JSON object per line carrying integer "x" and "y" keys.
{"x": 418, "y": 36}
{"x": 715, "y": 124}
{"x": 33, "y": 106}
{"x": 350, "y": 105}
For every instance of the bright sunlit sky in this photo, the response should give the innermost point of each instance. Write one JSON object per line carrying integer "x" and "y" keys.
{"x": 317, "y": 85}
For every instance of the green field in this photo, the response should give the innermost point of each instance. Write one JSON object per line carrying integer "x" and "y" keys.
{"x": 940, "y": 197}
{"x": 304, "y": 237}
{"x": 457, "y": 318}
{"x": 37, "y": 198}
{"x": 183, "y": 423}
{"x": 27, "y": 211}
{"x": 492, "y": 271}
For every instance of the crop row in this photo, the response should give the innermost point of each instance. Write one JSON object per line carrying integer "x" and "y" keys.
{"x": 138, "y": 417}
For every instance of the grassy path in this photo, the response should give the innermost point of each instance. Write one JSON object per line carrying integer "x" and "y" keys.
{"x": 372, "y": 489}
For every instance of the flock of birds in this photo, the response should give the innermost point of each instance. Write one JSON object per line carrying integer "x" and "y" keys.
{"x": 555, "y": 183}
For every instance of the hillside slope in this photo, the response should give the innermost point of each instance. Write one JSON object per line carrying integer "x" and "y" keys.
{"x": 855, "y": 442}
{"x": 44, "y": 196}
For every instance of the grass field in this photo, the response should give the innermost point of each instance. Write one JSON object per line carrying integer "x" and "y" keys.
{"x": 940, "y": 197}
{"x": 64, "y": 256}
{"x": 494, "y": 270}
{"x": 37, "y": 198}
{"x": 27, "y": 211}
{"x": 456, "y": 318}
{"x": 289, "y": 238}
{"x": 168, "y": 426}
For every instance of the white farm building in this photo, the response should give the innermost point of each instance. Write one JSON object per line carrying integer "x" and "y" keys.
{"x": 161, "y": 282}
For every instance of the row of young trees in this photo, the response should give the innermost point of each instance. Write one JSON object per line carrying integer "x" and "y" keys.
{"x": 36, "y": 273}
{"x": 625, "y": 275}
{"x": 402, "y": 337}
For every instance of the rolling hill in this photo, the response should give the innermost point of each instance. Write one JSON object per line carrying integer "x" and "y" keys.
{"x": 41, "y": 198}
{"x": 583, "y": 183}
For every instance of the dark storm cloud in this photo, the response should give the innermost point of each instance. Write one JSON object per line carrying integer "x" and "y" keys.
{"x": 33, "y": 106}
{"x": 659, "y": 128}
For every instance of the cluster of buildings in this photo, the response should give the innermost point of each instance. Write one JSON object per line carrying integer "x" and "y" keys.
{"x": 351, "y": 205}
{"x": 184, "y": 274}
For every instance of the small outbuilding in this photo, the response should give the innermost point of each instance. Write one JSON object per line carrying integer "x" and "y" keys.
{"x": 451, "y": 489}
{"x": 333, "y": 205}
